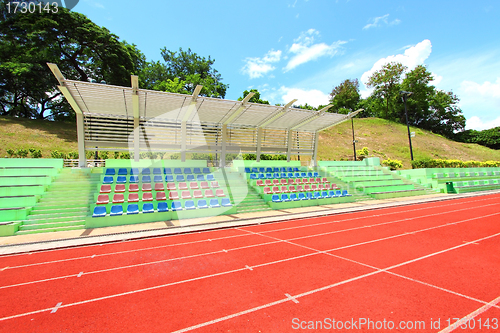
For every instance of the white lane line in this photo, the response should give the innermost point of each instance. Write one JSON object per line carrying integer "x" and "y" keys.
{"x": 465, "y": 320}
{"x": 79, "y": 275}
{"x": 224, "y": 250}
{"x": 3, "y": 269}
{"x": 250, "y": 268}
{"x": 58, "y": 305}
{"x": 293, "y": 299}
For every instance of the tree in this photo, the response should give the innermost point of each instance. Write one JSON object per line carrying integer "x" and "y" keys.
{"x": 386, "y": 82}
{"x": 418, "y": 82}
{"x": 81, "y": 49}
{"x": 345, "y": 97}
{"x": 255, "y": 98}
{"x": 446, "y": 117}
{"x": 188, "y": 69}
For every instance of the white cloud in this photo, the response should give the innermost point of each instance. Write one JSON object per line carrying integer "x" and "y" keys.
{"x": 305, "y": 50}
{"x": 257, "y": 67}
{"x": 312, "y": 97}
{"x": 380, "y": 21}
{"x": 412, "y": 57}
{"x": 478, "y": 124}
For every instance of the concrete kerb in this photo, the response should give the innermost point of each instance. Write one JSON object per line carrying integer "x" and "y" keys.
{"x": 239, "y": 222}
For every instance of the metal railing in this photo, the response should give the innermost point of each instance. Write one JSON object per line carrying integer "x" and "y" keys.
{"x": 71, "y": 163}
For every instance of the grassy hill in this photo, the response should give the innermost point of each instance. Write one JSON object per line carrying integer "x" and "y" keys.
{"x": 383, "y": 138}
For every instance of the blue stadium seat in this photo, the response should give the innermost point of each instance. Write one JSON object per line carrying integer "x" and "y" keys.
{"x": 255, "y": 170}
{"x": 202, "y": 204}
{"x": 225, "y": 202}
{"x": 158, "y": 179}
{"x": 293, "y": 197}
{"x": 262, "y": 176}
{"x": 285, "y": 198}
{"x": 135, "y": 179}
{"x": 214, "y": 203}
{"x": 296, "y": 169}
{"x": 169, "y": 178}
{"x": 283, "y": 169}
{"x": 275, "y": 198}
{"x": 261, "y": 170}
{"x": 277, "y": 175}
{"x": 134, "y": 171}
{"x": 317, "y": 195}
{"x": 197, "y": 171}
{"x": 297, "y": 175}
{"x": 290, "y": 175}
{"x": 269, "y": 176}
{"x": 206, "y": 170}
{"x": 309, "y": 174}
{"x": 303, "y": 174}
{"x": 283, "y": 175}
{"x": 132, "y": 209}
{"x": 315, "y": 174}
{"x": 302, "y": 196}
{"x": 177, "y": 171}
{"x": 122, "y": 172}
{"x": 200, "y": 178}
{"x": 176, "y": 205}
{"x": 190, "y": 178}
{"x": 189, "y": 205}
{"x": 146, "y": 171}
{"x": 180, "y": 178}
{"x": 99, "y": 211}
{"x": 325, "y": 195}
{"x": 345, "y": 194}
{"x": 108, "y": 180}
{"x": 110, "y": 172}
{"x": 162, "y": 207}
{"x": 332, "y": 194}
{"x": 156, "y": 171}
{"x": 187, "y": 171}
{"x": 289, "y": 169}
{"x": 210, "y": 177}
{"x": 121, "y": 179}
{"x": 269, "y": 169}
{"x": 116, "y": 210}
{"x": 167, "y": 171}
{"x": 252, "y": 176}
{"x": 310, "y": 196}
{"x": 146, "y": 179}
{"x": 148, "y": 208}
{"x": 247, "y": 170}
{"x": 338, "y": 193}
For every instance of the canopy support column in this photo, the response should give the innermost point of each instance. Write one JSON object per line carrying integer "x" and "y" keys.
{"x": 223, "y": 149}
{"x": 315, "y": 154}
{"x": 259, "y": 143}
{"x": 289, "y": 144}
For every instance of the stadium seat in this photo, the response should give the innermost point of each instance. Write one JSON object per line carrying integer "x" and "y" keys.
{"x": 214, "y": 184}
{"x": 206, "y": 170}
{"x": 193, "y": 186}
{"x": 162, "y": 207}
{"x": 133, "y": 197}
{"x": 200, "y": 178}
{"x": 324, "y": 195}
{"x": 275, "y": 198}
{"x": 133, "y": 188}
{"x": 122, "y": 172}
{"x": 253, "y": 176}
{"x": 148, "y": 208}
{"x": 134, "y": 179}
{"x": 291, "y": 181}
{"x": 268, "y": 182}
{"x": 302, "y": 196}
{"x": 338, "y": 193}
{"x": 277, "y": 175}
{"x": 158, "y": 179}
{"x": 317, "y": 195}
{"x": 300, "y": 188}
{"x": 314, "y": 187}
{"x": 284, "y": 182}
{"x": 190, "y": 178}
{"x": 285, "y": 198}
{"x": 307, "y": 188}
{"x": 147, "y": 196}
{"x": 303, "y": 174}
{"x": 197, "y": 171}
{"x": 267, "y": 190}
{"x": 247, "y": 170}
{"x": 177, "y": 171}
{"x": 146, "y": 187}
{"x": 121, "y": 179}
{"x": 269, "y": 176}
{"x": 187, "y": 171}
{"x": 298, "y": 181}
{"x": 284, "y": 189}
{"x": 220, "y": 193}
{"x": 332, "y": 194}
{"x": 169, "y": 178}
{"x": 214, "y": 203}
{"x": 110, "y": 172}
{"x": 99, "y": 211}
{"x": 176, "y": 205}
{"x": 185, "y": 195}
{"x": 105, "y": 189}
{"x": 132, "y": 209}
{"x": 297, "y": 175}
{"x": 189, "y": 205}
{"x": 156, "y": 171}
{"x": 312, "y": 180}
{"x": 173, "y": 195}
{"x": 160, "y": 196}
{"x": 204, "y": 185}
{"x": 116, "y": 210}
{"x": 334, "y": 187}
{"x": 283, "y": 175}
{"x": 159, "y": 187}
{"x": 118, "y": 198}
{"x": 293, "y": 197}
{"x": 210, "y": 177}
{"x": 197, "y": 194}
{"x": 345, "y": 194}
{"x": 119, "y": 188}
{"x": 292, "y": 188}
{"x": 108, "y": 180}
{"x": 309, "y": 174}
{"x": 167, "y": 171}
{"x": 146, "y": 179}
{"x": 134, "y": 171}
{"x": 171, "y": 187}
{"x": 276, "y": 189}
{"x": 259, "y": 182}
{"x": 183, "y": 186}
{"x": 209, "y": 194}
{"x": 315, "y": 174}
{"x": 290, "y": 175}
{"x": 325, "y": 180}
{"x": 255, "y": 170}
{"x": 276, "y": 182}
{"x": 225, "y": 202}
{"x": 146, "y": 171}
{"x": 102, "y": 199}
{"x": 202, "y": 204}
{"x": 180, "y": 178}
{"x": 310, "y": 196}
{"x": 269, "y": 169}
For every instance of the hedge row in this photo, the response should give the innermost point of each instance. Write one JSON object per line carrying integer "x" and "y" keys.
{"x": 438, "y": 163}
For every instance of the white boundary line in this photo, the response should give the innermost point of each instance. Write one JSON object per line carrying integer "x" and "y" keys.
{"x": 465, "y": 320}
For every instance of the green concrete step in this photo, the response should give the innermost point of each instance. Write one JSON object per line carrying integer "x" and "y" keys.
{"x": 51, "y": 225}
{"x": 37, "y": 231}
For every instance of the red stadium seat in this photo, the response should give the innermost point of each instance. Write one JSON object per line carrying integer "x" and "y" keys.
{"x": 220, "y": 193}
{"x": 102, "y": 199}
{"x": 209, "y": 194}
{"x": 105, "y": 189}
{"x": 146, "y": 187}
{"x": 160, "y": 196}
{"x": 118, "y": 198}
{"x": 173, "y": 195}
{"x": 120, "y": 188}
{"x": 159, "y": 187}
{"x": 133, "y": 197}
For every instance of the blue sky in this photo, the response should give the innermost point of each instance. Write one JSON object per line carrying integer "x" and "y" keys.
{"x": 301, "y": 49}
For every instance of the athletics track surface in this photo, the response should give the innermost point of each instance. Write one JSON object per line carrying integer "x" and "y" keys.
{"x": 409, "y": 265}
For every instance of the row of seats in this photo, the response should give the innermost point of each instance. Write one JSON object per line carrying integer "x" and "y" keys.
{"x": 466, "y": 174}
{"x": 269, "y": 169}
{"x": 156, "y": 179}
{"x": 299, "y": 188}
{"x": 103, "y": 199}
{"x": 291, "y": 181}
{"x": 116, "y": 210}
{"x": 278, "y": 175}
{"x": 120, "y": 188}
{"x": 309, "y": 196}
{"x": 156, "y": 171}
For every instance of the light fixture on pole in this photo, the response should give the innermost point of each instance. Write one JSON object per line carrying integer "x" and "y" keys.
{"x": 405, "y": 95}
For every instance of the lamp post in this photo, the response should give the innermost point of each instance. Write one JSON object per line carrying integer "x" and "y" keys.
{"x": 405, "y": 95}
{"x": 353, "y": 138}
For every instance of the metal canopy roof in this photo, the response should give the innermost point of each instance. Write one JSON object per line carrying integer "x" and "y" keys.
{"x": 129, "y": 118}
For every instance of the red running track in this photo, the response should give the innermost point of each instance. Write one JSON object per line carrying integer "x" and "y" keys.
{"x": 411, "y": 268}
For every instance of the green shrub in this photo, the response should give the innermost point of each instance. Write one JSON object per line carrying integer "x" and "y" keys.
{"x": 22, "y": 153}
{"x": 35, "y": 153}
{"x": 11, "y": 153}
{"x": 57, "y": 154}
{"x": 125, "y": 156}
{"x": 362, "y": 153}
{"x": 73, "y": 155}
{"x": 393, "y": 164}
{"x": 440, "y": 163}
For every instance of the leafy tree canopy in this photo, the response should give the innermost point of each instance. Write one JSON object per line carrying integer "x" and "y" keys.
{"x": 345, "y": 97}
{"x": 255, "y": 98}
